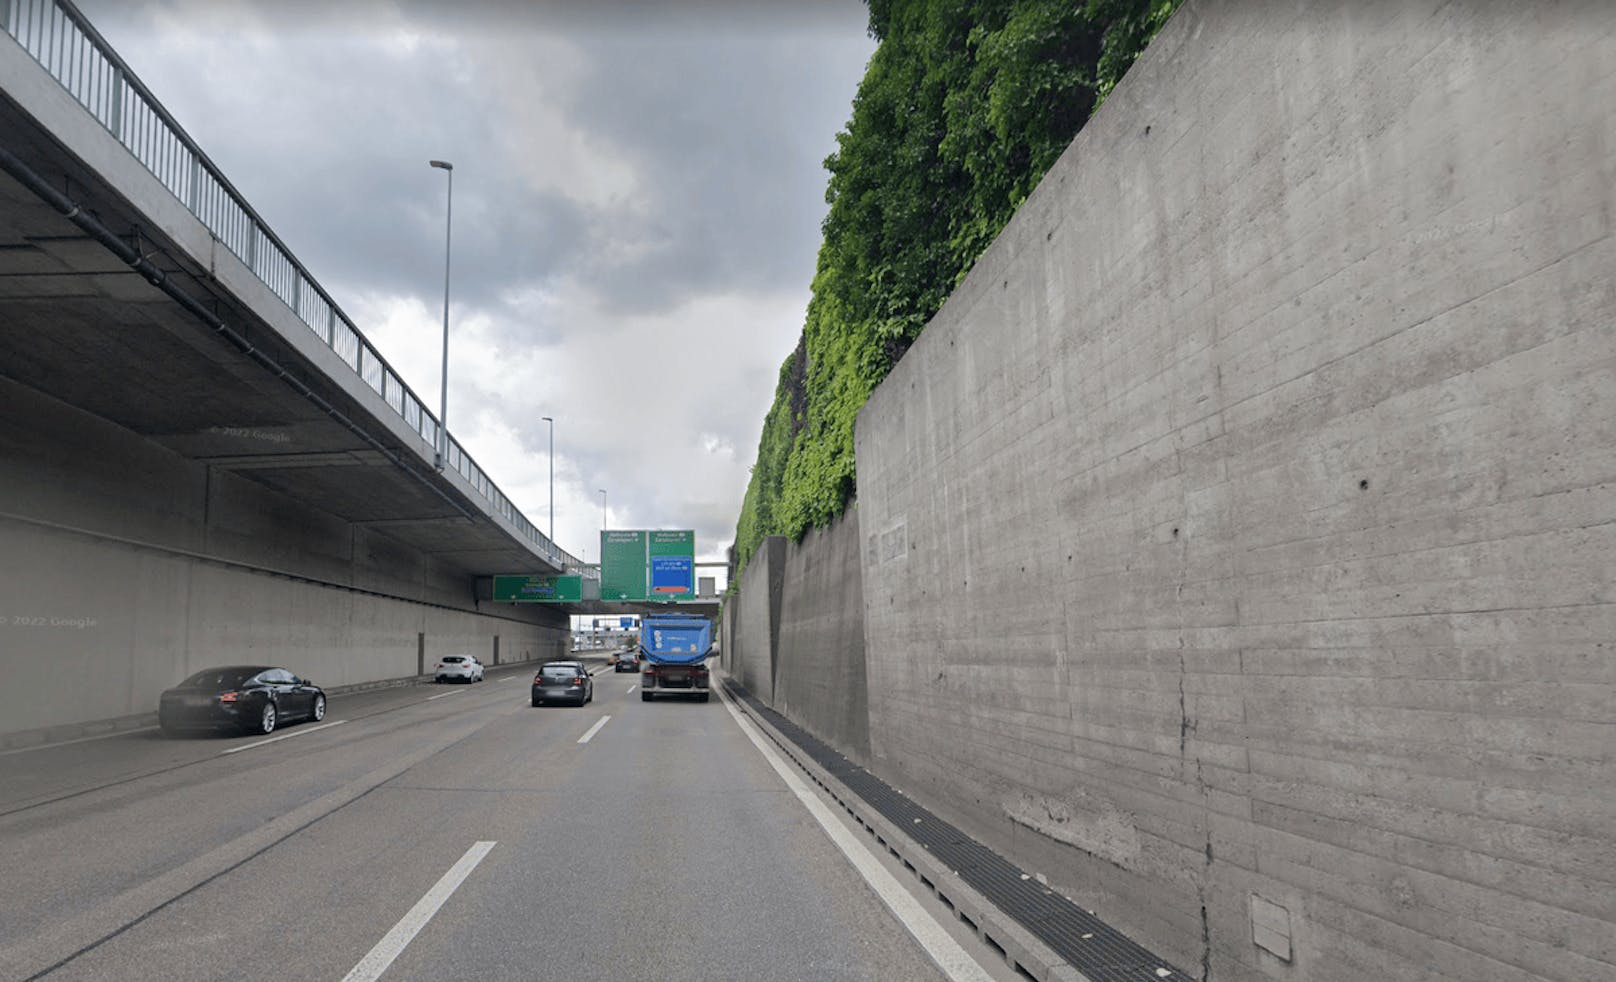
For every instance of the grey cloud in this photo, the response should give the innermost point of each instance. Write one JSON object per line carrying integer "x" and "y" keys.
{"x": 729, "y": 192}
{"x": 502, "y": 18}
{"x": 370, "y": 213}
{"x": 340, "y": 172}
{"x": 325, "y": 121}
{"x": 726, "y": 155}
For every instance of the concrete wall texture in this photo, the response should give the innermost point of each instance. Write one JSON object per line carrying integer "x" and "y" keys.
{"x": 131, "y": 567}
{"x": 1237, "y": 541}
{"x": 819, "y": 680}
{"x": 757, "y": 620}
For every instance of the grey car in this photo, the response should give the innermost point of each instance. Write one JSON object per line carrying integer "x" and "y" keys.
{"x": 564, "y": 682}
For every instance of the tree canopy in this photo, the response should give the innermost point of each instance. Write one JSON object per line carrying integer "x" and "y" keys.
{"x": 963, "y": 107}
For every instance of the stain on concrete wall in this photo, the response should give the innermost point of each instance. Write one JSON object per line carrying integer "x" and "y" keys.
{"x": 1078, "y": 818}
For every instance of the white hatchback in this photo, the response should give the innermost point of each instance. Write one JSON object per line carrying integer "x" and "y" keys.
{"x": 458, "y": 668}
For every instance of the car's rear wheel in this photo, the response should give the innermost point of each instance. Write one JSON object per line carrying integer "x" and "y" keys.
{"x": 703, "y": 697}
{"x": 318, "y": 712}
{"x": 536, "y": 704}
{"x": 645, "y": 696}
{"x": 267, "y": 718}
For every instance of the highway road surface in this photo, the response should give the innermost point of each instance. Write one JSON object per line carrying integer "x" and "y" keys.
{"x": 432, "y": 832}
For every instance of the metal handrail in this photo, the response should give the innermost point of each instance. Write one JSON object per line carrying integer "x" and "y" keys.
{"x": 64, "y": 43}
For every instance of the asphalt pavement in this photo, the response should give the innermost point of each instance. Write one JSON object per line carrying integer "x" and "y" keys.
{"x": 435, "y": 832}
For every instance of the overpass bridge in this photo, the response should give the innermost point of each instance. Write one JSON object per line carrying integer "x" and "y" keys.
{"x": 202, "y": 454}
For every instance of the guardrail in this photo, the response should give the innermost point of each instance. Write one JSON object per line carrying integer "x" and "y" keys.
{"x": 66, "y": 46}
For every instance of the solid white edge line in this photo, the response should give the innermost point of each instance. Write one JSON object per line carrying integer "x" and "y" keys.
{"x": 395, "y": 941}
{"x": 451, "y": 692}
{"x": 954, "y": 961}
{"x": 283, "y": 736}
{"x": 631, "y": 689}
{"x": 594, "y": 729}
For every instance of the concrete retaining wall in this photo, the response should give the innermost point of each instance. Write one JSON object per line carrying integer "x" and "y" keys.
{"x": 757, "y": 620}
{"x": 1238, "y": 539}
{"x": 729, "y": 634}
{"x": 819, "y": 681}
{"x": 128, "y": 567}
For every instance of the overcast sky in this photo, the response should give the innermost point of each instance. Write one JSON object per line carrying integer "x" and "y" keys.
{"x": 638, "y": 188}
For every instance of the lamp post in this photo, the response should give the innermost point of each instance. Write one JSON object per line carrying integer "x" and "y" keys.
{"x": 442, "y": 448}
{"x": 603, "y": 512}
{"x": 552, "y": 477}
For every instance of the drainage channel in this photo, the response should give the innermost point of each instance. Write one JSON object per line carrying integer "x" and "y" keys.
{"x": 1088, "y": 944}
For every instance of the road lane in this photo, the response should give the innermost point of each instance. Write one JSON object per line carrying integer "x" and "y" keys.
{"x": 104, "y": 853}
{"x": 669, "y": 851}
{"x": 29, "y": 776}
{"x": 377, "y": 960}
{"x": 946, "y": 952}
{"x": 663, "y": 848}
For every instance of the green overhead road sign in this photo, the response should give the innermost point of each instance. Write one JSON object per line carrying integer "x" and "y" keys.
{"x": 539, "y": 589}
{"x": 671, "y": 562}
{"x": 647, "y": 565}
{"x": 622, "y": 565}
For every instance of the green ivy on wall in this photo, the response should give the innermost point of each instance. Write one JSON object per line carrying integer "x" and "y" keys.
{"x": 964, "y": 106}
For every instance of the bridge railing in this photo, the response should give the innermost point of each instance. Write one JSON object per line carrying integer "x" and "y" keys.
{"x": 66, "y": 46}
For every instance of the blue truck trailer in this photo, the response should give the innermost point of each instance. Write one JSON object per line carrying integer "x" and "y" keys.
{"x": 674, "y": 649}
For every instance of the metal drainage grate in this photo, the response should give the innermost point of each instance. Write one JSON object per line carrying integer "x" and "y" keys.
{"x": 1087, "y": 943}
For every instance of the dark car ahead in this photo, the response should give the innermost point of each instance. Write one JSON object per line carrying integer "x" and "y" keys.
{"x": 253, "y": 698}
{"x": 628, "y": 661}
{"x": 563, "y": 681}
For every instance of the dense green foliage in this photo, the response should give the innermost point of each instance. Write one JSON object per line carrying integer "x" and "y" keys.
{"x": 964, "y": 106}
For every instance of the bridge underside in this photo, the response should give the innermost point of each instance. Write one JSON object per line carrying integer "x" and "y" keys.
{"x": 81, "y": 326}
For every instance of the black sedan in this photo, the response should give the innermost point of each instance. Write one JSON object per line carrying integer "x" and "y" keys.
{"x": 252, "y": 698}
{"x": 563, "y": 681}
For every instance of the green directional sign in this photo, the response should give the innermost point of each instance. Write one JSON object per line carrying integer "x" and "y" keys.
{"x": 647, "y": 565}
{"x": 539, "y": 589}
{"x": 622, "y": 565}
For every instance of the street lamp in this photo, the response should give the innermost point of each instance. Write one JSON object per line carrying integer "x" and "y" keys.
{"x": 603, "y": 513}
{"x": 442, "y": 448}
{"x": 552, "y": 477}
